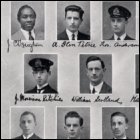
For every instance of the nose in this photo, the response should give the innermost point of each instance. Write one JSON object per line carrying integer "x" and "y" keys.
{"x": 29, "y": 18}
{"x": 116, "y": 126}
{"x": 38, "y": 75}
{"x": 71, "y": 128}
{"x": 93, "y": 71}
{"x": 72, "y": 20}
{"x": 115, "y": 23}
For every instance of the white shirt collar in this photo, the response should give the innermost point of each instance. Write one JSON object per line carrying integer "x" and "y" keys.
{"x": 24, "y": 137}
{"x": 69, "y": 33}
{"x": 97, "y": 88}
{"x": 26, "y": 33}
{"x": 121, "y": 37}
{"x": 77, "y": 138}
{"x": 122, "y": 138}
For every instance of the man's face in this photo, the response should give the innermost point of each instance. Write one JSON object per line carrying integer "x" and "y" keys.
{"x": 73, "y": 21}
{"x": 27, "y": 124}
{"x": 73, "y": 128}
{"x": 41, "y": 76}
{"x": 95, "y": 72}
{"x": 118, "y": 25}
{"x": 119, "y": 127}
{"x": 27, "y": 19}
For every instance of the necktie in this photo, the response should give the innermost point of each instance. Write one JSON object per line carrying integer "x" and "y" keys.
{"x": 93, "y": 91}
{"x": 73, "y": 36}
{"x": 39, "y": 90}
{"x": 118, "y": 38}
{"x": 30, "y": 36}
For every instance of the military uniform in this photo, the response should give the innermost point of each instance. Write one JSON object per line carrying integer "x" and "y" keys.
{"x": 118, "y": 11}
{"x": 39, "y": 64}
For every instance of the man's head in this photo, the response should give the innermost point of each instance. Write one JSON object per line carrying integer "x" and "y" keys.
{"x": 73, "y": 124}
{"x": 119, "y": 18}
{"x": 26, "y": 17}
{"x": 27, "y": 123}
{"x": 41, "y": 70}
{"x": 119, "y": 125}
{"x": 73, "y": 17}
{"x": 95, "y": 70}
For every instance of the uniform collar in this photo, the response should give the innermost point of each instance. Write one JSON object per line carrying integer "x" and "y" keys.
{"x": 122, "y": 138}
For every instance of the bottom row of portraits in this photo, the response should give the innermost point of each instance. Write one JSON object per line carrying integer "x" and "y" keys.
{"x": 73, "y": 122}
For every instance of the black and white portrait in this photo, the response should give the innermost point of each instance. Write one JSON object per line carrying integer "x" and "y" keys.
{"x": 27, "y": 122}
{"x": 27, "y": 20}
{"x": 73, "y": 123}
{"x": 40, "y": 73}
{"x": 95, "y": 74}
{"x": 73, "y": 20}
{"x": 119, "y": 20}
{"x": 118, "y": 123}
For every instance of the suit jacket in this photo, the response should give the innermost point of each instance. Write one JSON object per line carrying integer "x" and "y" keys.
{"x": 19, "y": 36}
{"x": 104, "y": 90}
{"x": 137, "y": 90}
{"x": 47, "y": 89}
{"x": 81, "y": 36}
{"x": 126, "y": 38}
{"x": 33, "y": 137}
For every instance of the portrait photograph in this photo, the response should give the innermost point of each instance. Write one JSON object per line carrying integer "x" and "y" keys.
{"x": 40, "y": 73}
{"x": 73, "y": 20}
{"x": 95, "y": 73}
{"x": 73, "y": 123}
{"x": 118, "y": 122}
{"x": 119, "y": 20}
{"x": 27, "y": 122}
{"x": 27, "y": 20}
{"x": 137, "y": 73}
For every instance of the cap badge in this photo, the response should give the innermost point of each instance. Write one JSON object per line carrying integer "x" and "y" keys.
{"x": 116, "y": 12}
{"x": 38, "y": 62}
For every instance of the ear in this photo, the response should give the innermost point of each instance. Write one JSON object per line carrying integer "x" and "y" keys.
{"x": 127, "y": 126}
{"x": 104, "y": 70}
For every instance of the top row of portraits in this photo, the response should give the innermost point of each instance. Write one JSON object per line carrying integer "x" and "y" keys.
{"x": 73, "y": 20}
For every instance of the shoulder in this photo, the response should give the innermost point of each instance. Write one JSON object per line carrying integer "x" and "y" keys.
{"x": 39, "y": 35}
{"x": 82, "y": 36}
{"x": 129, "y": 38}
{"x": 106, "y": 88}
{"x": 19, "y": 137}
{"x": 49, "y": 89}
{"x": 35, "y": 137}
{"x": 17, "y": 35}
{"x": 137, "y": 90}
{"x": 62, "y": 36}
{"x": 111, "y": 38}
{"x": 34, "y": 90}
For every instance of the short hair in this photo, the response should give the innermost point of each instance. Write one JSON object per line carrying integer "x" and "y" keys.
{"x": 28, "y": 113}
{"x": 75, "y": 8}
{"x": 74, "y": 114}
{"x": 95, "y": 58}
{"x": 120, "y": 114}
{"x": 23, "y": 7}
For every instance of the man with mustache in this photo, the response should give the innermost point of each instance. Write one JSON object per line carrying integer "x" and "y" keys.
{"x": 27, "y": 17}
{"x": 73, "y": 125}
{"x": 95, "y": 72}
{"x": 28, "y": 124}
{"x": 119, "y": 125}
{"x": 73, "y": 20}
{"x": 119, "y": 19}
{"x": 41, "y": 73}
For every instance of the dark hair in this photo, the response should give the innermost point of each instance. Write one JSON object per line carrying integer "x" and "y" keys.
{"x": 120, "y": 114}
{"x": 74, "y": 114}
{"x": 28, "y": 113}
{"x": 95, "y": 58}
{"x": 23, "y": 7}
{"x": 75, "y": 9}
